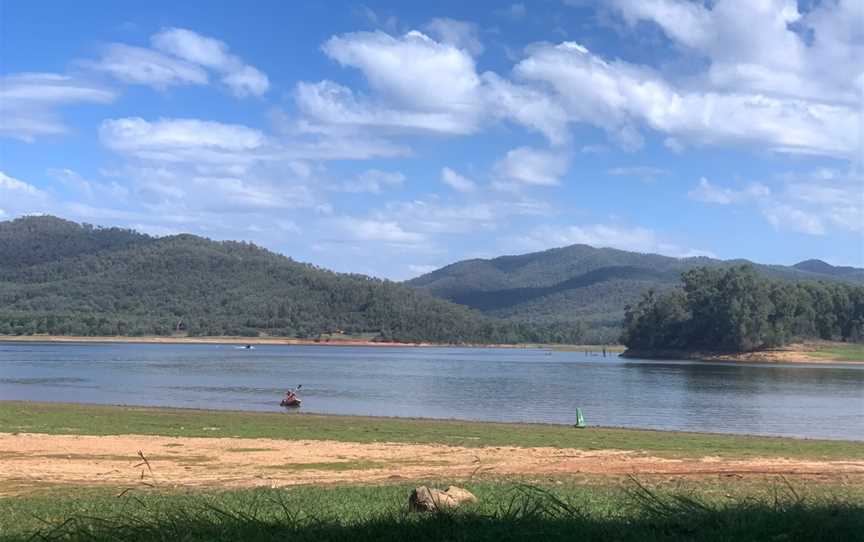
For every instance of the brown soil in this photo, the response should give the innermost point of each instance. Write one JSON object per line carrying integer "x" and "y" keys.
{"x": 29, "y": 461}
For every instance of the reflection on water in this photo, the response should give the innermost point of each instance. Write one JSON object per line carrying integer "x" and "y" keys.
{"x": 482, "y": 384}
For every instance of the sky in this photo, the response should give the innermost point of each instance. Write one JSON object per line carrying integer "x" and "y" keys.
{"x": 392, "y": 138}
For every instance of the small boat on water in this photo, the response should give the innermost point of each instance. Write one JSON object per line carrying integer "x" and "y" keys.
{"x": 291, "y": 399}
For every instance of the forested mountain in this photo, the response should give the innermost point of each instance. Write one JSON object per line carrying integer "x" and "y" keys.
{"x": 586, "y": 284}
{"x": 60, "y": 277}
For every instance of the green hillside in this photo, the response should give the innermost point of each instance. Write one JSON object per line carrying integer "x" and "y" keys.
{"x": 64, "y": 278}
{"x": 580, "y": 283}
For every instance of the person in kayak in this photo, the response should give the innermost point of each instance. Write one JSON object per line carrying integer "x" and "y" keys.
{"x": 290, "y": 396}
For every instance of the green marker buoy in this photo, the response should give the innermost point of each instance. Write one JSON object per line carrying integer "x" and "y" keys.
{"x": 580, "y": 419}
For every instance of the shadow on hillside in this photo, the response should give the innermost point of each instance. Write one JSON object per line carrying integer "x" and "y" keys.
{"x": 536, "y": 515}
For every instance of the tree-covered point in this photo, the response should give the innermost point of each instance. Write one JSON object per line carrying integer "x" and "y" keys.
{"x": 736, "y": 309}
{"x": 62, "y": 278}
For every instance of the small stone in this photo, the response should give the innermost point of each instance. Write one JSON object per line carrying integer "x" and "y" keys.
{"x": 460, "y": 495}
{"x": 424, "y": 499}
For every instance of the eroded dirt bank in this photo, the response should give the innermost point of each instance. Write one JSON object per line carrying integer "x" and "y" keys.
{"x": 36, "y": 460}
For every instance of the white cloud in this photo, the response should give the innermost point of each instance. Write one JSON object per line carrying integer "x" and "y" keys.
{"x": 420, "y": 84}
{"x": 89, "y": 189}
{"x": 617, "y": 96}
{"x": 240, "y": 77}
{"x": 141, "y": 66}
{"x": 358, "y": 229}
{"x": 459, "y": 34}
{"x": 786, "y": 217}
{"x": 184, "y": 140}
{"x": 22, "y": 198}
{"x": 410, "y": 69}
{"x": 28, "y": 102}
{"x": 180, "y": 57}
{"x": 373, "y": 181}
{"x": 777, "y": 60}
{"x": 430, "y": 216}
{"x": 12, "y": 184}
{"x": 533, "y": 108}
{"x": 456, "y": 181}
{"x": 709, "y": 193}
{"x": 812, "y": 203}
{"x": 329, "y": 105}
{"x": 637, "y": 239}
{"x": 529, "y": 166}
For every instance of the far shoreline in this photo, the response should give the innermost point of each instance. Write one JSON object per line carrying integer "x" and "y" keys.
{"x": 288, "y": 341}
{"x": 799, "y": 353}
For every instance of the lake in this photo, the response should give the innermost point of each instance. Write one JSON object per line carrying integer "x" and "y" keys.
{"x": 825, "y": 401}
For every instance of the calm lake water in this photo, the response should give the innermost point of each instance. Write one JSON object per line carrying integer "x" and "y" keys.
{"x": 474, "y": 384}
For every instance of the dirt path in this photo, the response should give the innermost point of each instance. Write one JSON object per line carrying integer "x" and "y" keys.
{"x": 36, "y": 460}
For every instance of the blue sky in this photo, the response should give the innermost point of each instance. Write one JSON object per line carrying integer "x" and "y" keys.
{"x": 391, "y": 138}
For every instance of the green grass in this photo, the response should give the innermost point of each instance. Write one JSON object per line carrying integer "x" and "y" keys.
{"x": 76, "y": 419}
{"x": 840, "y": 352}
{"x": 505, "y": 511}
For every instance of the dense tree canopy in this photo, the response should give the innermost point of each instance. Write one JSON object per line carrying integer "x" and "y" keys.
{"x": 737, "y": 309}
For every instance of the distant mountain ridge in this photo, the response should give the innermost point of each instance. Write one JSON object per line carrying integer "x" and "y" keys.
{"x": 63, "y": 278}
{"x": 584, "y": 283}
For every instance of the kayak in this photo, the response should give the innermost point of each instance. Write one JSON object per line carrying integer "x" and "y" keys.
{"x": 290, "y": 403}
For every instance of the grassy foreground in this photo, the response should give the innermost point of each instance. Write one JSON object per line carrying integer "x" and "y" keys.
{"x": 505, "y": 511}
{"x": 77, "y": 419}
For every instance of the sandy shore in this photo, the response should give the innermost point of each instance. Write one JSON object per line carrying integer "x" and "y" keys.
{"x": 36, "y": 460}
{"x": 793, "y": 353}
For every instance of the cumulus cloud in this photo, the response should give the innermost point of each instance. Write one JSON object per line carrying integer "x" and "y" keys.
{"x": 618, "y": 97}
{"x": 770, "y": 89}
{"x": 420, "y": 84}
{"x": 410, "y": 69}
{"x": 28, "y": 103}
{"x": 456, "y": 181}
{"x": 180, "y": 57}
{"x": 777, "y": 60}
{"x": 528, "y": 166}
